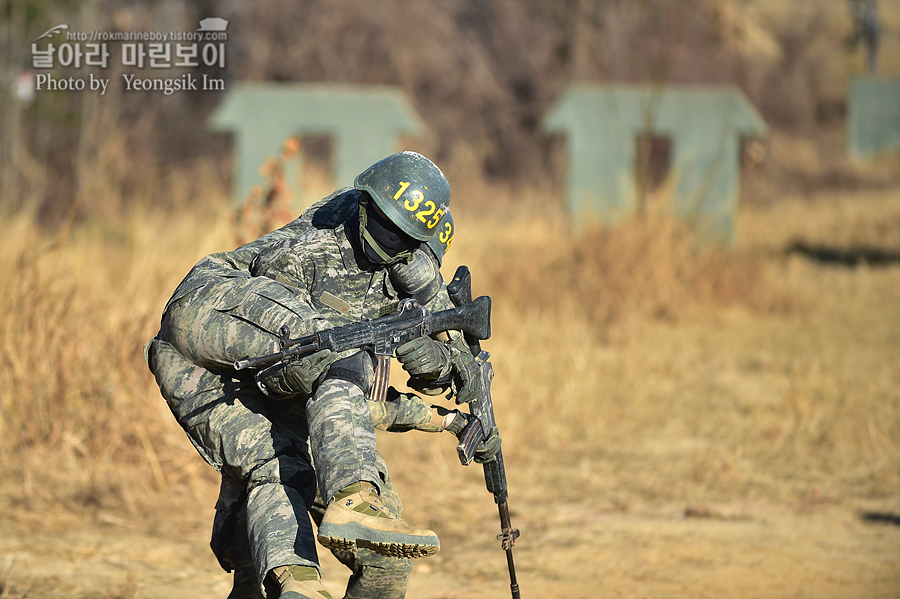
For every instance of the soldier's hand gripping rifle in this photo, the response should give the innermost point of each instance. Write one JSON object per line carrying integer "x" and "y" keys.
{"x": 460, "y": 291}
{"x": 382, "y": 336}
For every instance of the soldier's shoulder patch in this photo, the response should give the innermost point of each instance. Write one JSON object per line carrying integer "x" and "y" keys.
{"x": 333, "y": 301}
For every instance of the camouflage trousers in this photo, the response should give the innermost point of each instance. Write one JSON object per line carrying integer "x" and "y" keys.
{"x": 372, "y": 576}
{"x": 226, "y": 320}
{"x": 249, "y": 437}
{"x": 246, "y": 438}
{"x": 268, "y": 486}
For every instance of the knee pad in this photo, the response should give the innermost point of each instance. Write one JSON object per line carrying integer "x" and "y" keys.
{"x": 358, "y": 369}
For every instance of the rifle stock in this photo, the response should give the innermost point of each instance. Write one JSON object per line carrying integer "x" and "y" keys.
{"x": 473, "y": 319}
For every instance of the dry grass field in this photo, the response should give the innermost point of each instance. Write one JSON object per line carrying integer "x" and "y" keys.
{"x": 677, "y": 421}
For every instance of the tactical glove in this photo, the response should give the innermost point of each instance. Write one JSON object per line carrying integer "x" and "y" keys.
{"x": 487, "y": 451}
{"x": 455, "y": 421}
{"x": 425, "y": 357}
{"x": 300, "y": 376}
{"x": 467, "y": 373}
{"x": 428, "y": 386}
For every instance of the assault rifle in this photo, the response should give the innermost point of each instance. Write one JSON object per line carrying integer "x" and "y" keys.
{"x": 460, "y": 291}
{"x": 382, "y": 336}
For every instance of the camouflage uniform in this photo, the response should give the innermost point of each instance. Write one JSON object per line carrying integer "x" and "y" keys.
{"x": 225, "y": 310}
{"x": 321, "y": 265}
{"x": 373, "y": 576}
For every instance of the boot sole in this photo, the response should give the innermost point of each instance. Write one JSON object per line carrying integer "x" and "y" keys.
{"x": 349, "y": 536}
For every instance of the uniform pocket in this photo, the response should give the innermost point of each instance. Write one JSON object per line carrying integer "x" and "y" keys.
{"x": 270, "y": 305}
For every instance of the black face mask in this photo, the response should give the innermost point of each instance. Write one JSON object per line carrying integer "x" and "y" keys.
{"x": 382, "y": 241}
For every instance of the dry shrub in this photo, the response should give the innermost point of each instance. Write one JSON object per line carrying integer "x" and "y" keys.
{"x": 650, "y": 265}
{"x": 585, "y": 337}
{"x": 82, "y": 425}
{"x": 654, "y": 267}
{"x": 60, "y": 400}
{"x": 763, "y": 374}
{"x": 268, "y": 207}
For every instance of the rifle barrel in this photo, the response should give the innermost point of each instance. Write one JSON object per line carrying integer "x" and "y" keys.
{"x": 297, "y": 348}
{"x": 509, "y": 535}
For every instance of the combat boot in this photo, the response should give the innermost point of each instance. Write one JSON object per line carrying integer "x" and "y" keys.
{"x": 357, "y": 517}
{"x": 299, "y": 582}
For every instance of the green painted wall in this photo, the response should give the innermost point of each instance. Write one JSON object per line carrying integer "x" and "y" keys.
{"x": 873, "y": 117}
{"x": 364, "y": 123}
{"x": 705, "y": 124}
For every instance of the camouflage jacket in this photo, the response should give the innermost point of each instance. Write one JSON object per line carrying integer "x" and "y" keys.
{"x": 320, "y": 229}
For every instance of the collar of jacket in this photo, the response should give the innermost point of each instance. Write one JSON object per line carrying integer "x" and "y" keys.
{"x": 348, "y": 253}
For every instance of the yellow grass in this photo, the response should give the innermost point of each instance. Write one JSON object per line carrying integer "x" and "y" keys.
{"x": 634, "y": 370}
{"x": 765, "y": 371}
{"x": 672, "y": 373}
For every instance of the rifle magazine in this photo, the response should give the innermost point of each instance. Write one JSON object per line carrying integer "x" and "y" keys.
{"x": 382, "y": 378}
{"x": 469, "y": 440}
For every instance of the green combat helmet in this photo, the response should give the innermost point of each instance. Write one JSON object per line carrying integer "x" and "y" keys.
{"x": 440, "y": 241}
{"x": 411, "y": 191}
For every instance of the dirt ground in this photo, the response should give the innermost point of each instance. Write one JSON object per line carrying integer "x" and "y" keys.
{"x": 816, "y": 547}
{"x": 596, "y": 521}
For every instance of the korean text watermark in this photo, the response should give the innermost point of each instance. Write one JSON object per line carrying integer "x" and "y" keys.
{"x": 59, "y": 48}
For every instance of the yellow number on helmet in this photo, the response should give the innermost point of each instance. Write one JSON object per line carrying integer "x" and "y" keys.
{"x": 429, "y": 210}
{"x": 403, "y": 186}
{"x": 436, "y": 219}
{"x": 447, "y": 234}
{"x": 412, "y": 203}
